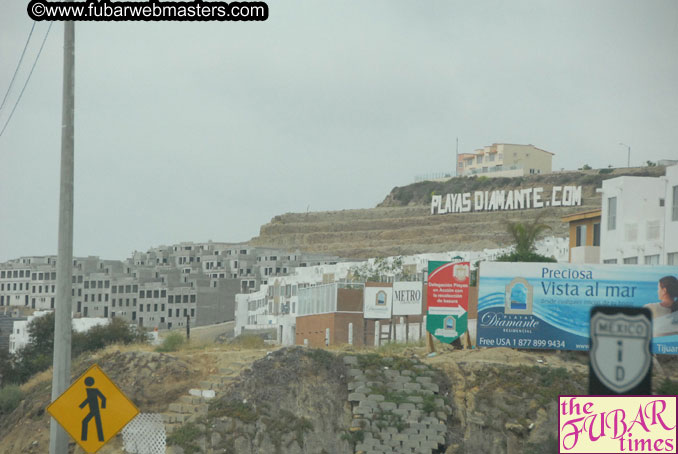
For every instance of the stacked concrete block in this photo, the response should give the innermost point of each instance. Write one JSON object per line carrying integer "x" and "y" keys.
{"x": 389, "y": 407}
{"x": 192, "y": 407}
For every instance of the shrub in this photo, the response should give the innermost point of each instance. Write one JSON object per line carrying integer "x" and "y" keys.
{"x": 185, "y": 437}
{"x": 10, "y": 396}
{"x": 172, "y": 343}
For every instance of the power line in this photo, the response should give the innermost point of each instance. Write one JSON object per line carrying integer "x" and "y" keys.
{"x": 27, "y": 79}
{"x": 17, "y": 66}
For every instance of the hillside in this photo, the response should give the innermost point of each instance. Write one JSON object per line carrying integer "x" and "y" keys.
{"x": 402, "y": 223}
{"x": 304, "y": 401}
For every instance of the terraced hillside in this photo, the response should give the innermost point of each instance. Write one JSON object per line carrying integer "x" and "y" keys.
{"x": 402, "y": 223}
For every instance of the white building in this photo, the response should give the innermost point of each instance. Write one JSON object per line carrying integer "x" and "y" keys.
{"x": 19, "y": 337}
{"x": 275, "y": 306}
{"x": 639, "y": 222}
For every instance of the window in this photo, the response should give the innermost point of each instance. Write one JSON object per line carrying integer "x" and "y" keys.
{"x": 672, "y": 258}
{"x": 610, "y": 261}
{"x": 674, "y": 205}
{"x": 141, "y": 294}
{"x": 653, "y": 230}
{"x": 631, "y": 261}
{"x": 611, "y": 213}
{"x": 580, "y": 236}
{"x": 652, "y": 259}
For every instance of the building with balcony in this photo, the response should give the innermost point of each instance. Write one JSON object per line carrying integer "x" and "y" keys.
{"x": 505, "y": 160}
{"x": 584, "y": 236}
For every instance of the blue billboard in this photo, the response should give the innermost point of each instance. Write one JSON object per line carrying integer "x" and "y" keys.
{"x": 548, "y": 305}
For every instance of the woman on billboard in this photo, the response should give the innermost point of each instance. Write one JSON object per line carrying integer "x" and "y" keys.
{"x": 665, "y": 312}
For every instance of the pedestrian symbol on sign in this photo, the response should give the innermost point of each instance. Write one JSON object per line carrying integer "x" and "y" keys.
{"x": 92, "y": 401}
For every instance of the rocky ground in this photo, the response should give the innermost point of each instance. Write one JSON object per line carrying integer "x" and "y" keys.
{"x": 296, "y": 400}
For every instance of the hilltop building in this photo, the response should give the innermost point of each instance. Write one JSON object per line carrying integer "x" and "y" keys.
{"x": 505, "y": 160}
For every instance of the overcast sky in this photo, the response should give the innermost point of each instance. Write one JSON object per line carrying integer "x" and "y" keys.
{"x": 199, "y": 131}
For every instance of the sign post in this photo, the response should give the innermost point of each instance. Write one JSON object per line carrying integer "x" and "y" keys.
{"x": 92, "y": 410}
{"x": 620, "y": 361}
{"x": 447, "y": 299}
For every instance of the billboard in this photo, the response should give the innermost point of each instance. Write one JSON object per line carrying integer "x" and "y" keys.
{"x": 548, "y": 305}
{"x": 407, "y": 298}
{"x": 377, "y": 300}
{"x": 447, "y": 299}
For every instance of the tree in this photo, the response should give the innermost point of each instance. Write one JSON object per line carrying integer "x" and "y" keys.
{"x": 651, "y": 164}
{"x": 36, "y": 356}
{"x": 524, "y": 237}
{"x": 586, "y": 167}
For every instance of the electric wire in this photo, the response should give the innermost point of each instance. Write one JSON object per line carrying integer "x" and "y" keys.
{"x": 11, "y": 82}
{"x": 27, "y": 79}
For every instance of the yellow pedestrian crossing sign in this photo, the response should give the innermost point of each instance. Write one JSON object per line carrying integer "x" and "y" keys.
{"x": 92, "y": 410}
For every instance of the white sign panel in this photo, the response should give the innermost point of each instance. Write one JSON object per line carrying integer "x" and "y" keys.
{"x": 506, "y": 200}
{"x": 407, "y": 298}
{"x": 377, "y": 302}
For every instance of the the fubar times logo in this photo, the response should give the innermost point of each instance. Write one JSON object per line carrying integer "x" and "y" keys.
{"x": 617, "y": 424}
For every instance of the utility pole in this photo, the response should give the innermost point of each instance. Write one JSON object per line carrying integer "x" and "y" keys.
{"x": 61, "y": 375}
{"x": 628, "y": 161}
{"x": 456, "y": 160}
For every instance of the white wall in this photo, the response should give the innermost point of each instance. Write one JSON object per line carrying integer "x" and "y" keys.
{"x": 638, "y": 210}
{"x": 20, "y": 338}
{"x": 670, "y": 226}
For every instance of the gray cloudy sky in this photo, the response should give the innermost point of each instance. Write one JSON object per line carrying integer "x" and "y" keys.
{"x": 198, "y": 131}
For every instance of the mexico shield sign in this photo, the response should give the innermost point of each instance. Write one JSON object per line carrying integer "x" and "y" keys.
{"x": 620, "y": 349}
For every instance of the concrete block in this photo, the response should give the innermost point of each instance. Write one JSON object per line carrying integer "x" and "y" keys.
{"x": 363, "y": 389}
{"x": 412, "y": 386}
{"x": 406, "y": 372}
{"x": 387, "y": 406}
{"x": 356, "y": 397}
{"x": 176, "y": 407}
{"x": 431, "y": 387}
{"x": 358, "y": 410}
{"x": 423, "y": 379}
{"x": 415, "y": 399}
{"x": 355, "y": 384}
{"x": 369, "y": 404}
{"x": 407, "y": 406}
{"x": 375, "y": 397}
{"x": 350, "y": 360}
{"x": 355, "y": 372}
{"x": 208, "y": 394}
